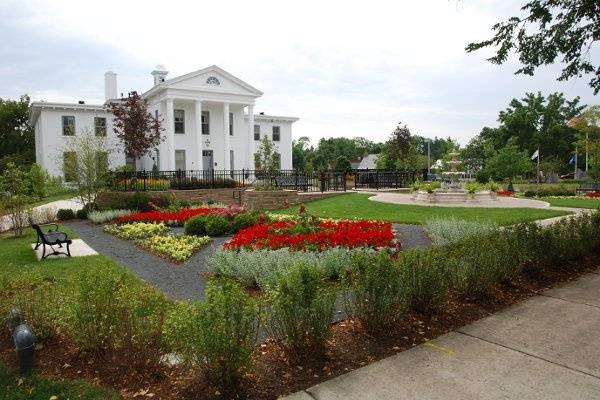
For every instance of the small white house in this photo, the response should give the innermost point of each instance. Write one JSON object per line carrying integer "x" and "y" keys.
{"x": 208, "y": 120}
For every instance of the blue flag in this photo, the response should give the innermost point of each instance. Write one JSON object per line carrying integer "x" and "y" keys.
{"x": 573, "y": 159}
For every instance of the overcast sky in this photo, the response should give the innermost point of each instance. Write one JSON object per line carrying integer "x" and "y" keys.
{"x": 345, "y": 68}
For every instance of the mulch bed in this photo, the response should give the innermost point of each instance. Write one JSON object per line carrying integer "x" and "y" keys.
{"x": 274, "y": 374}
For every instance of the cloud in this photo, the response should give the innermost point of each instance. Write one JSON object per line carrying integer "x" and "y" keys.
{"x": 344, "y": 68}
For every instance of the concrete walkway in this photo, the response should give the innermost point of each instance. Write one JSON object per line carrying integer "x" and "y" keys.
{"x": 547, "y": 347}
{"x": 41, "y": 213}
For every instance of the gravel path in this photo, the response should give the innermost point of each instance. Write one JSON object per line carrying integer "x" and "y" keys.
{"x": 178, "y": 281}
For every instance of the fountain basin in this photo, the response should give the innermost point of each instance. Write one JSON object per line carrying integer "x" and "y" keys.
{"x": 454, "y": 196}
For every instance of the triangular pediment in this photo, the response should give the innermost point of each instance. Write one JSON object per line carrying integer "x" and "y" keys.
{"x": 213, "y": 79}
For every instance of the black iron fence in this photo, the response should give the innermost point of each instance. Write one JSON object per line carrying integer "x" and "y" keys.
{"x": 283, "y": 179}
{"x": 384, "y": 179}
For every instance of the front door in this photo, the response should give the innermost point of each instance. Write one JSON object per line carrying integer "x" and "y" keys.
{"x": 207, "y": 160}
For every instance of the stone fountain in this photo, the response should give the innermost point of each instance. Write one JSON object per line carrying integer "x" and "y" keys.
{"x": 454, "y": 191}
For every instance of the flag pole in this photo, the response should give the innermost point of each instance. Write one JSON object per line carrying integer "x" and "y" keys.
{"x": 538, "y": 172}
{"x": 575, "y": 172}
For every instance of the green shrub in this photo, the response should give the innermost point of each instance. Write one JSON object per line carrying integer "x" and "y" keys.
{"x": 264, "y": 267}
{"x": 480, "y": 263}
{"x": 425, "y": 277}
{"x": 196, "y": 226}
{"x": 110, "y": 312}
{"x": 138, "y": 201}
{"x": 217, "y": 225}
{"x": 97, "y": 313}
{"x": 65, "y": 214}
{"x": 549, "y": 189}
{"x": 443, "y": 231}
{"x": 39, "y": 299}
{"x": 376, "y": 297}
{"x": 37, "y": 179}
{"x": 82, "y": 213}
{"x": 301, "y": 309}
{"x": 218, "y": 335}
{"x": 243, "y": 221}
{"x": 100, "y": 217}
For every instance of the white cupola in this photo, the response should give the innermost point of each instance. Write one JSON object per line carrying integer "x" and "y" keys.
{"x": 159, "y": 74}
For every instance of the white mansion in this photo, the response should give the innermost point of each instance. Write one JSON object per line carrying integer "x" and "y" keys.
{"x": 208, "y": 120}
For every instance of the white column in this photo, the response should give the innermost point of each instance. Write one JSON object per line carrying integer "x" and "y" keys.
{"x": 226, "y": 139}
{"x": 251, "y": 145}
{"x": 199, "y": 134}
{"x": 170, "y": 132}
{"x": 163, "y": 147}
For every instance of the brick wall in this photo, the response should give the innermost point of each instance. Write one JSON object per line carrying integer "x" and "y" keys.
{"x": 262, "y": 200}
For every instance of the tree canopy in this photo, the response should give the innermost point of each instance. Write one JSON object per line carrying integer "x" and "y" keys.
{"x": 550, "y": 31}
{"x": 16, "y": 136}
{"x": 530, "y": 122}
{"x": 135, "y": 127}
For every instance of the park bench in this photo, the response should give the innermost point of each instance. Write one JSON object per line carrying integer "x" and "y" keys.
{"x": 588, "y": 187}
{"x": 51, "y": 238}
{"x": 296, "y": 182}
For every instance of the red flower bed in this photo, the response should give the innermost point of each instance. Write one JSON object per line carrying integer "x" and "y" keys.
{"x": 593, "y": 194}
{"x": 177, "y": 217}
{"x": 505, "y": 193}
{"x": 321, "y": 235}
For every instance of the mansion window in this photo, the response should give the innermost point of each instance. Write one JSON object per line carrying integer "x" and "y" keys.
{"x": 70, "y": 165}
{"x": 179, "y": 117}
{"x": 277, "y": 161}
{"x": 68, "y": 125}
{"x": 205, "y": 123}
{"x": 276, "y": 134}
{"x": 230, "y": 124}
{"x": 256, "y": 132}
{"x": 102, "y": 161}
{"x": 180, "y": 160}
{"x": 100, "y": 126}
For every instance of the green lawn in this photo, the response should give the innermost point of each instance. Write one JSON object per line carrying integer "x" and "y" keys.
{"x": 359, "y": 206}
{"x": 17, "y": 257}
{"x": 575, "y": 202}
{"x": 36, "y": 387}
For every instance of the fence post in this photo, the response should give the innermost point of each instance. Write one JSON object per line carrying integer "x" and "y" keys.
{"x": 396, "y": 176}
{"x": 243, "y": 177}
{"x": 296, "y": 170}
{"x": 144, "y": 180}
{"x": 344, "y": 178}
{"x": 377, "y": 179}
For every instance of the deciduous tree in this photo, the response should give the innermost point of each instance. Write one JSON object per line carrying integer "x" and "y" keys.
{"x": 16, "y": 136}
{"x": 566, "y": 31}
{"x": 138, "y": 130}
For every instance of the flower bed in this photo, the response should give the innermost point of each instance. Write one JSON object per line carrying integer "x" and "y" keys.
{"x": 505, "y": 193}
{"x": 176, "y": 217}
{"x": 138, "y": 230}
{"x": 314, "y": 235}
{"x": 176, "y": 248}
{"x": 593, "y": 194}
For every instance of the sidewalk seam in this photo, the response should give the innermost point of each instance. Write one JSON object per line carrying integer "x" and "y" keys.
{"x": 529, "y": 354}
{"x": 310, "y": 394}
{"x": 569, "y": 301}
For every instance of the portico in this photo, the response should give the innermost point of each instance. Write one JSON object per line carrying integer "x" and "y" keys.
{"x": 204, "y": 117}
